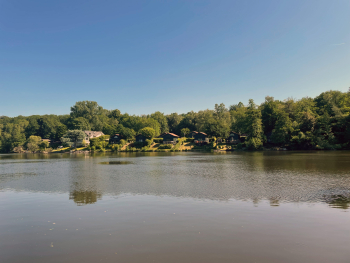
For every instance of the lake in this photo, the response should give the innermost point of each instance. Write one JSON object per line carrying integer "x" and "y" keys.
{"x": 175, "y": 207}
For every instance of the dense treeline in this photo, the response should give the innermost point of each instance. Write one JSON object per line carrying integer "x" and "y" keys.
{"x": 310, "y": 123}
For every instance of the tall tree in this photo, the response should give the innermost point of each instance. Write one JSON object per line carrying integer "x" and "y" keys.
{"x": 162, "y": 120}
{"x": 72, "y": 137}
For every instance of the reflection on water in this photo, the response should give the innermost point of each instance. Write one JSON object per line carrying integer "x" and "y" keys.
{"x": 84, "y": 197}
{"x": 116, "y": 162}
{"x": 266, "y": 207}
{"x": 253, "y": 176}
{"x": 339, "y": 201}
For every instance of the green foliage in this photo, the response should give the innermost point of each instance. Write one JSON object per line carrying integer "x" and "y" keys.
{"x": 162, "y": 120}
{"x": 309, "y": 123}
{"x": 158, "y": 140}
{"x": 254, "y": 143}
{"x": 43, "y": 145}
{"x": 33, "y": 143}
{"x": 165, "y": 146}
{"x": 185, "y": 131}
{"x": 149, "y": 142}
{"x": 73, "y": 137}
{"x": 148, "y": 132}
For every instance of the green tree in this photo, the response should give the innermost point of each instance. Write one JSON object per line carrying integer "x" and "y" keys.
{"x": 80, "y": 123}
{"x": 185, "y": 131}
{"x": 162, "y": 120}
{"x": 269, "y": 116}
{"x": 254, "y": 127}
{"x": 127, "y": 133}
{"x": 174, "y": 120}
{"x": 33, "y": 143}
{"x": 43, "y": 145}
{"x": 147, "y": 132}
{"x": 60, "y": 131}
{"x": 283, "y": 129}
{"x": 72, "y": 137}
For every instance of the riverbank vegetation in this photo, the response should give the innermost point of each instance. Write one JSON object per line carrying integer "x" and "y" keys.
{"x": 322, "y": 122}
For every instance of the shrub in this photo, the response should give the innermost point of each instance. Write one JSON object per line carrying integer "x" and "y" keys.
{"x": 138, "y": 144}
{"x": 165, "y": 146}
{"x": 189, "y": 139}
{"x": 149, "y": 142}
{"x": 158, "y": 140}
{"x": 254, "y": 144}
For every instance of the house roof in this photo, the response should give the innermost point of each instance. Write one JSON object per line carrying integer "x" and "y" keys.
{"x": 170, "y": 133}
{"x": 194, "y": 132}
{"x": 173, "y": 134}
{"x": 202, "y": 133}
{"x": 94, "y": 133}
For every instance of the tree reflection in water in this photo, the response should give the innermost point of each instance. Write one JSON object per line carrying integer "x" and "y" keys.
{"x": 338, "y": 201}
{"x": 84, "y": 197}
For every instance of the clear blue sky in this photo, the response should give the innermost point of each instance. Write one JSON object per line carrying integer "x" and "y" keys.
{"x": 172, "y": 56}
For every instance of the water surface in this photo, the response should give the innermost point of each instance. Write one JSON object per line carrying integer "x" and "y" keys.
{"x": 175, "y": 207}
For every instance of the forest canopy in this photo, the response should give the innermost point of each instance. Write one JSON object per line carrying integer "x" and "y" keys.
{"x": 322, "y": 122}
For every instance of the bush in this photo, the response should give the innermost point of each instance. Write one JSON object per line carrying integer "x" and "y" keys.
{"x": 158, "y": 140}
{"x": 149, "y": 142}
{"x": 165, "y": 146}
{"x": 122, "y": 142}
{"x": 138, "y": 144}
{"x": 189, "y": 139}
{"x": 254, "y": 144}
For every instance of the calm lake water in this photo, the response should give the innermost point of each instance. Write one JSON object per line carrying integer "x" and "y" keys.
{"x": 175, "y": 207}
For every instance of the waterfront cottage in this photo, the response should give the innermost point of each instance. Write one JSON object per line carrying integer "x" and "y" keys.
{"x": 169, "y": 138}
{"x": 234, "y": 138}
{"x": 114, "y": 139}
{"x": 201, "y": 138}
{"x": 140, "y": 138}
{"x": 92, "y": 134}
{"x": 192, "y": 134}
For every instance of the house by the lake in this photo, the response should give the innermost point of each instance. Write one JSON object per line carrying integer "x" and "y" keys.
{"x": 92, "y": 134}
{"x": 192, "y": 134}
{"x": 140, "y": 138}
{"x": 234, "y": 138}
{"x": 115, "y": 139}
{"x": 169, "y": 138}
{"x": 201, "y": 138}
